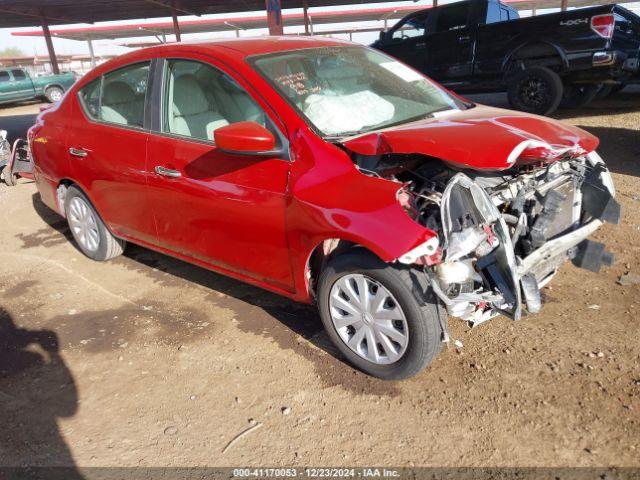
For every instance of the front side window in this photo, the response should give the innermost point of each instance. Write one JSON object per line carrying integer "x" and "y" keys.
{"x": 118, "y": 96}
{"x": 349, "y": 90}
{"x": 18, "y": 75}
{"x": 200, "y": 98}
{"x": 4, "y": 77}
{"x": 412, "y": 28}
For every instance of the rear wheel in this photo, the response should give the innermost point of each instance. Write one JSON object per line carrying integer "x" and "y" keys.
{"x": 535, "y": 90}
{"x": 88, "y": 229}
{"x": 383, "y": 319}
{"x": 578, "y": 96}
{"x": 53, "y": 94}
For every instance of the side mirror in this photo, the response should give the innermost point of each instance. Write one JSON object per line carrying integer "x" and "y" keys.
{"x": 381, "y": 36}
{"x": 245, "y": 138}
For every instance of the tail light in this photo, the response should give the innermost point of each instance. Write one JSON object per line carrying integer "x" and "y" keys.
{"x": 603, "y": 25}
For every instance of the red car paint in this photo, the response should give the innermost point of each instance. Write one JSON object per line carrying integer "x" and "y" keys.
{"x": 259, "y": 218}
{"x": 481, "y": 138}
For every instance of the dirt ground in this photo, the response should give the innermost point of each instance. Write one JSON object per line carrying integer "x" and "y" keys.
{"x": 148, "y": 361}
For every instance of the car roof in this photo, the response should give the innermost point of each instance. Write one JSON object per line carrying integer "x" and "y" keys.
{"x": 248, "y": 46}
{"x": 236, "y": 48}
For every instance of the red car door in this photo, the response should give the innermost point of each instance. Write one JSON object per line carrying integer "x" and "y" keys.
{"x": 107, "y": 148}
{"x": 222, "y": 209}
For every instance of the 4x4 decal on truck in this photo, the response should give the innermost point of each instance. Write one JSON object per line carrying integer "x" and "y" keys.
{"x": 575, "y": 21}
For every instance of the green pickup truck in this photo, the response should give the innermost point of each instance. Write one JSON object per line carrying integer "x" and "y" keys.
{"x": 17, "y": 85}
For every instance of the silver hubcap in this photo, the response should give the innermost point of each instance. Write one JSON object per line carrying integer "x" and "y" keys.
{"x": 55, "y": 95}
{"x": 368, "y": 319}
{"x": 83, "y": 224}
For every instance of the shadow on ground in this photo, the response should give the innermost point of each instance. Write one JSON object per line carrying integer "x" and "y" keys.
{"x": 619, "y": 147}
{"x": 254, "y": 310}
{"x": 622, "y": 102}
{"x": 36, "y": 388}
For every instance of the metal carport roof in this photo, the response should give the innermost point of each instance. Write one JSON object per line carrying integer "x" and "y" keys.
{"x": 27, "y": 13}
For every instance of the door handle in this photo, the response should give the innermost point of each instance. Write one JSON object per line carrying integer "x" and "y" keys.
{"x": 167, "y": 172}
{"x": 464, "y": 39}
{"x": 78, "y": 152}
{"x": 421, "y": 45}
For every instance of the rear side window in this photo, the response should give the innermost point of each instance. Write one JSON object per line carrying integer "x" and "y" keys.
{"x": 4, "y": 77}
{"x": 453, "y": 17}
{"x": 18, "y": 75}
{"x": 118, "y": 96}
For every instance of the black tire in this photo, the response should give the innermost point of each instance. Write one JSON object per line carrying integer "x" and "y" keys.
{"x": 108, "y": 246}
{"x": 604, "y": 91}
{"x": 9, "y": 178}
{"x": 424, "y": 316}
{"x": 53, "y": 94}
{"x": 535, "y": 90}
{"x": 578, "y": 96}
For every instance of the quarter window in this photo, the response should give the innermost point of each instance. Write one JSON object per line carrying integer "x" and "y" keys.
{"x": 4, "y": 77}
{"x": 118, "y": 96}
{"x": 18, "y": 75}
{"x": 200, "y": 98}
{"x": 90, "y": 98}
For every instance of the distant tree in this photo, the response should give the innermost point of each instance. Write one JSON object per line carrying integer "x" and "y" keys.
{"x": 11, "y": 52}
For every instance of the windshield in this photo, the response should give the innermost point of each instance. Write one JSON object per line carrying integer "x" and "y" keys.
{"x": 349, "y": 90}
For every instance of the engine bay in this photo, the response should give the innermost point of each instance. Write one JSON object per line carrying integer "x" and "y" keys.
{"x": 502, "y": 235}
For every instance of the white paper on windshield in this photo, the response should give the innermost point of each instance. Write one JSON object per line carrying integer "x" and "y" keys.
{"x": 334, "y": 114}
{"x": 402, "y": 71}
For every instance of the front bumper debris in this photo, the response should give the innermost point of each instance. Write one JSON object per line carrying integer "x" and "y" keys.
{"x": 483, "y": 274}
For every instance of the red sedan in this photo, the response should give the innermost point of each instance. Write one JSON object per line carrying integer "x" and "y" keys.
{"x": 329, "y": 173}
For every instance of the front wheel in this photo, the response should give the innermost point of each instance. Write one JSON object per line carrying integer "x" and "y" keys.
{"x": 535, "y": 90}
{"x": 384, "y": 319}
{"x": 88, "y": 229}
{"x": 53, "y": 94}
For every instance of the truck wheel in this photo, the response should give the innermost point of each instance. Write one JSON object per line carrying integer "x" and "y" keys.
{"x": 535, "y": 90}
{"x": 53, "y": 94}
{"x": 88, "y": 229}
{"x": 578, "y": 96}
{"x": 380, "y": 318}
{"x": 9, "y": 178}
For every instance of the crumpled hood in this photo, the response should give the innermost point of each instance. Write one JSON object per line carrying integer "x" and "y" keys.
{"x": 480, "y": 138}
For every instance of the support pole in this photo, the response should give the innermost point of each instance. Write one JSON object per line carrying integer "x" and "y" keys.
{"x": 305, "y": 9}
{"x": 564, "y": 5}
{"x": 92, "y": 55}
{"x": 52, "y": 52}
{"x": 176, "y": 25}
{"x": 434, "y": 3}
{"x": 274, "y": 17}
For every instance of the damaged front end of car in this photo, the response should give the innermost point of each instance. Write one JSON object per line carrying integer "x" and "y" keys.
{"x": 501, "y": 234}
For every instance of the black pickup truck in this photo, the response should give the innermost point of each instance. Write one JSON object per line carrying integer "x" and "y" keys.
{"x": 546, "y": 61}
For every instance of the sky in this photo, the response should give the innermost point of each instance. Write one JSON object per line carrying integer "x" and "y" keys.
{"x": 33, "y": 45}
